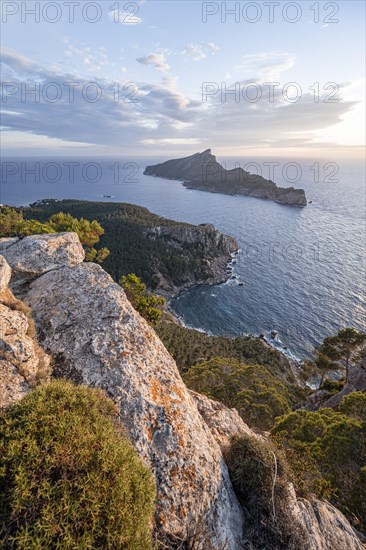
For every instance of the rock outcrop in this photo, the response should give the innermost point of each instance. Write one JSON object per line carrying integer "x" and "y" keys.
{"x": 327, "y": 528}
{"x": 98, "y": 339}
{"x": 22, "y": 362}
{"x": 223, "y": 422}
{"x": 202, "y": 171}
{"x": 32, "y": 256}
{"x": 5, "y": 273}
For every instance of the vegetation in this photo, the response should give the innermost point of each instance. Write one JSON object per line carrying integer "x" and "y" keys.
{"x": 69, "y": 478}
{"x": 13, "y": 224}
{"x": 146, "y": 303}
{"x": 258, "y": 396}
{"x": 134, "y": 249}
{"x": 260, "y": 477}
{"x": 338, "y": 351}
{"x": 327, "y": 452}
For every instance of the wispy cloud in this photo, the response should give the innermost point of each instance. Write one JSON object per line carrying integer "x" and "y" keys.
{"x": 156, "y": 60}
{"x": 197, "y": 52}
{"x": 266, "y": 65}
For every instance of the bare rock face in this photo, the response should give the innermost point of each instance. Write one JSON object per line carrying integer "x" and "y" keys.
{"x": 98, "y": 339}
{"x": 32, "y": 256}
{"x": 327, "y": 527}
{"x": 6, "y": 242}
{"x": 5, "y": 273}
{"x": 20, "y": 357}
{"x": 223, "y": 422}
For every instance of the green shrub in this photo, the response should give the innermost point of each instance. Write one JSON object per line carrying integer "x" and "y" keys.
{"x": 146, "y": 303}
{"x": 354, "y": 405}
{"x": 333, "y": 444}
{"x": 258, "y": 396}
{"x": 260, "y": 478}
{"x": 69, "y": 478}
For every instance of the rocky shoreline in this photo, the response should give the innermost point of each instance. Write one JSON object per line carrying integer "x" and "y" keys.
{"x": 216, "y": 252}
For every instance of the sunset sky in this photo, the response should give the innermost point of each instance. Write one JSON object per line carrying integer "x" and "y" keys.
{"x": 174, "y": 59}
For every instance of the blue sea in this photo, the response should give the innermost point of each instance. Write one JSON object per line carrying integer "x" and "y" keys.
{"x": 299, "y": 271}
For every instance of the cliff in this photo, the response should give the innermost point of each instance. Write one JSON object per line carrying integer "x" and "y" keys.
{"x": 168, "y": 255}
{"x": 211, "y": 248}
{"x": 202, "y": 171}
{"x": 96, "y": 338}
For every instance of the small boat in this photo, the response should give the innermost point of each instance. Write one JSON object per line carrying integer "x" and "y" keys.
{"x": 310, "y": 202}
{"x": 107, "y": 196}
{"x": 241, "y": 284}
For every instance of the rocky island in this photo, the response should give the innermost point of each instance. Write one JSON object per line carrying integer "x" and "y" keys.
{"x": 202, "y": 171}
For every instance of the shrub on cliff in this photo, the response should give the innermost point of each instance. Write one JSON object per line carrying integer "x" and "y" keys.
{"x": 258, "y": 396}
{"x": 146, "y": 303}
{"x": 260, "y": 478}
{"x": 13, "y": 224}
{"x": 334, "y": 444}
{"x": 69, "y": 478}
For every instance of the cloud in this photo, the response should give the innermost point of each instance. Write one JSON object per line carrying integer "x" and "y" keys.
{"x": 16, "y": 61}
{"x": 92, "y": 61}
{"x": 266, "y": 66}
{"x": 161, "y": 115}
{"x": 124, "y": 17}
{"x": 200, "y": 51}
{"x": 157, "y": 60}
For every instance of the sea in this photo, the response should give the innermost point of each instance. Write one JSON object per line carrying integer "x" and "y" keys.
{"x": 299, "y": 271}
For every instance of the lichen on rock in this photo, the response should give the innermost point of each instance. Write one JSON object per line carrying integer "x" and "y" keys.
{"x": 87, "y": 320}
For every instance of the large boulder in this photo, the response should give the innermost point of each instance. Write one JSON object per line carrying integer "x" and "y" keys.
{"x": 35, "y": 255}
{"x": 98, "y": 339}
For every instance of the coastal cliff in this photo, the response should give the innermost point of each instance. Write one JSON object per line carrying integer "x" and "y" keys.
{"x": 169, "y": 256}
{"x": 202, "y": 171}
{"x": 96, "y": 338}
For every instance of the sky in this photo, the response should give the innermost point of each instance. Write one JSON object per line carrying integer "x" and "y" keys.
{"x": 171, "y": 77}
